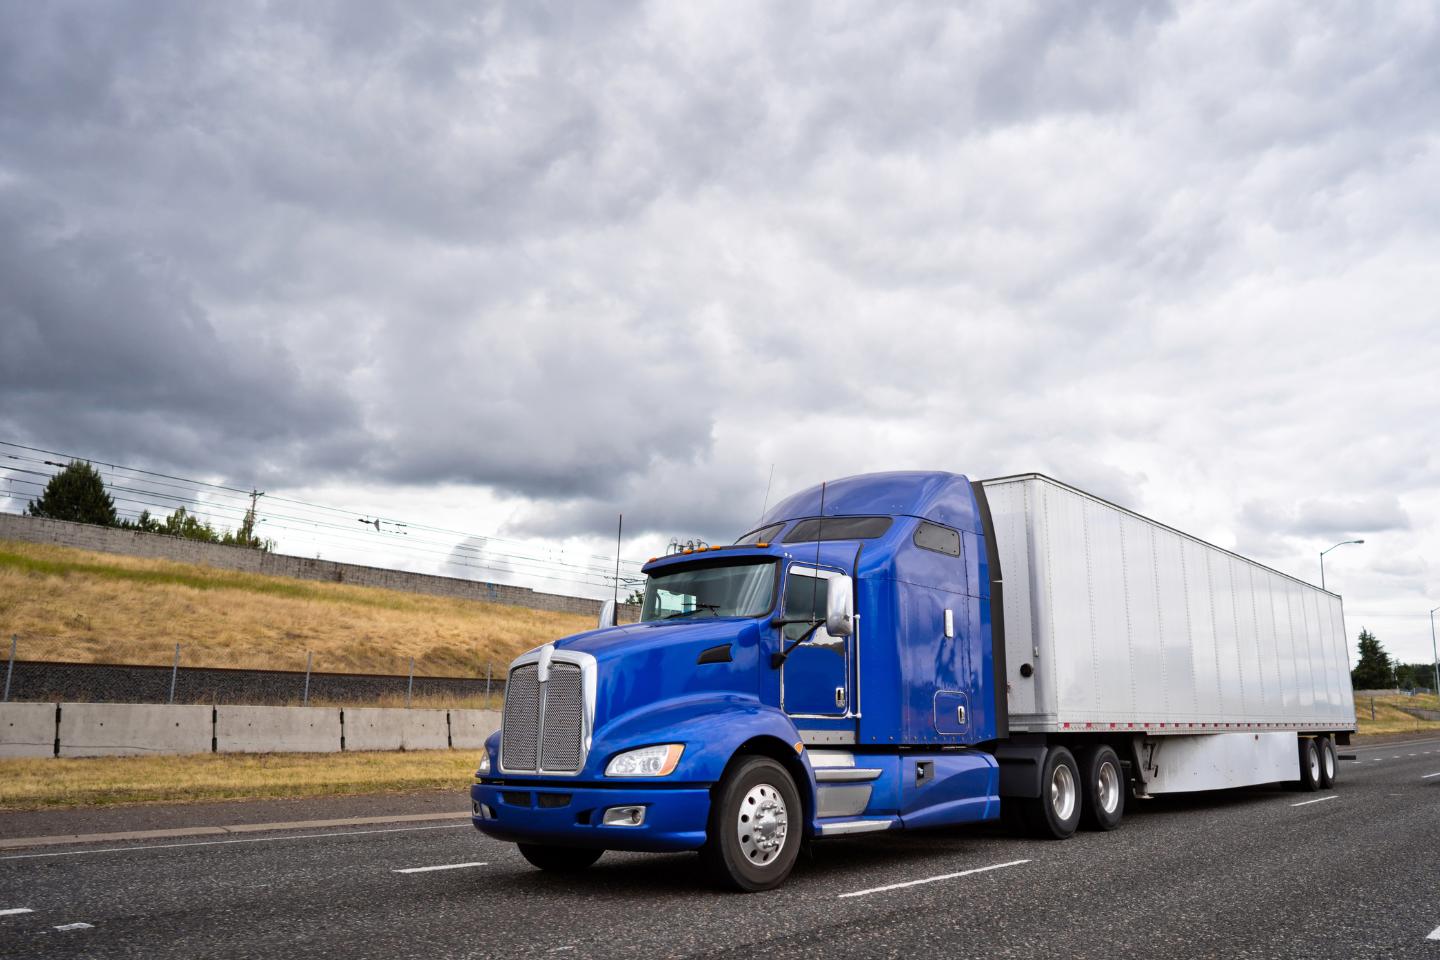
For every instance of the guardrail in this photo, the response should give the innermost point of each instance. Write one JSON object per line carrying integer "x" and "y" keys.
{"x": 121, "y": 729}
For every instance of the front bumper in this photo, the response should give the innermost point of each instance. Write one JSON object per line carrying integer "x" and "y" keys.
{"x": 571, "y": 814}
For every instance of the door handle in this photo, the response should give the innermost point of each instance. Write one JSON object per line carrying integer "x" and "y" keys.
{"x": 840, "y": 697}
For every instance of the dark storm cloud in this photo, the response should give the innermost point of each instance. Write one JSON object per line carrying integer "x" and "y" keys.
{"x": 585, "y": 259}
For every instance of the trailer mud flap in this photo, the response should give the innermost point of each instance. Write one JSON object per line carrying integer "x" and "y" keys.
{"x": 1020, "y": 769}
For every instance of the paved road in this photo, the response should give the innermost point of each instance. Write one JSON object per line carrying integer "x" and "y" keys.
{"x": 1250, "y": 873}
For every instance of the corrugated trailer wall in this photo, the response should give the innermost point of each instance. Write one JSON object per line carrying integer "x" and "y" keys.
{"x": 1128, "y": 624}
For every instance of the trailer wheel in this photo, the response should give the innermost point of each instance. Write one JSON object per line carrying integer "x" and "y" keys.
{"x": 1309, "y": 765}
{"x": 559, "y": 859}
{"x": 1104, "y": 793}
{"x": 756, "y": 824}
{"x": 1055, "y": 814}
{"x": 1329, "y": 762}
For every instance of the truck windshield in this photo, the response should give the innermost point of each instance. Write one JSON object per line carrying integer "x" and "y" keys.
{"x": 723, "y": 590}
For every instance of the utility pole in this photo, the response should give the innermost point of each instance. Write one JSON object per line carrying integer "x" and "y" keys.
{"x": 247, "y": 528}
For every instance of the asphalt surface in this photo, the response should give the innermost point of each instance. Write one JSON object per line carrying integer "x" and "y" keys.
{"x": 1264, "y": 872}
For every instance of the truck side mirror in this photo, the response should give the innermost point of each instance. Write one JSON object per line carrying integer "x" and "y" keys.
{"x": 607, "y": 615}
{"x": 839, "y": 606}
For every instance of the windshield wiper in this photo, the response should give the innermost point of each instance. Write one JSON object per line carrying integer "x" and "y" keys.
{"x": 712, "y": 607}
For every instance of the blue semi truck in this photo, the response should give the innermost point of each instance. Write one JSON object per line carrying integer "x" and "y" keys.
{"x": 857, "y": 663}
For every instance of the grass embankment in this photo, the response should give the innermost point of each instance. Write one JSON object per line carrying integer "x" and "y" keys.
{"x": 105, "y": 781}
{"x": 88, "y": 607}
{"x": 1389, "y": 718}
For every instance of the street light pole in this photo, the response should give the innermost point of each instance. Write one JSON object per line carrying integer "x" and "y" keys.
{"x": 1433, "y": 656}
{"x": 1322, "y": 558}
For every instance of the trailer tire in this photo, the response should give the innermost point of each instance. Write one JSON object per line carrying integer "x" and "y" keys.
{"x": 1309, "y": 765}
{"x": 755, "y": 806}
{"x": 1329, "y": 762}
{"x": 559, "y": 859}
{"x": 1055, "y": 814}
{"x": 1103, "y": 797}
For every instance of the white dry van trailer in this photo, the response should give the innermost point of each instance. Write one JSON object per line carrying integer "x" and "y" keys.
{"x": 1216, "y": 671}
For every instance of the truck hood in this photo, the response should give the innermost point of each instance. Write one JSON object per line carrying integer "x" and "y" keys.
{"x": 642, "y": 664}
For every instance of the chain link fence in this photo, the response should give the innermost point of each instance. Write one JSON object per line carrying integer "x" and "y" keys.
{"x": 59, "y": 669}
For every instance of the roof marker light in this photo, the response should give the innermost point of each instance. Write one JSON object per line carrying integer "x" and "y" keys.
{"x": 762, "y": 544}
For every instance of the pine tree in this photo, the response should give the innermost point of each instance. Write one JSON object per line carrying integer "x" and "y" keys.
{"x": 76, "y": 493}
{"x": 1374, "y": 671}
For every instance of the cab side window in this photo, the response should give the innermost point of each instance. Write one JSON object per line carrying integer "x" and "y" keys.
{"x": 941, "y": 539}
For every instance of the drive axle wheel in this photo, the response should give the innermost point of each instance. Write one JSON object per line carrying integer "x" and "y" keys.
{"x": 1055, "y": 814}
{"x": 559, "y": 859}
{"x": 1104, "y": 794}
{"x": 756, "y": 823}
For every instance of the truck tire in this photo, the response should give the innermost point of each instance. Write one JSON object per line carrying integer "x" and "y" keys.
{"x": 1103, "y": 797}
{"x": 559, "y": 859}
{"x": 756, "y": 825}
{"x": 1309, "y": 765}
{"x": 1055, "y": 814}
{"x": 1329, "y": 762}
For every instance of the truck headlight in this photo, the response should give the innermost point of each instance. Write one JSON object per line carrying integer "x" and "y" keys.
{"x": 484, "y": 763}
{"x": 656, "y": 761}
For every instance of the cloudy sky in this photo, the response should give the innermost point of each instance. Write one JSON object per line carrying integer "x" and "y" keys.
{"x": 513, "y": 269}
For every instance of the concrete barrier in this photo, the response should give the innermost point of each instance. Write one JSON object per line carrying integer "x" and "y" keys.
{"x": 470, "y": 728}
{"x": 27, "y": 729}
{"x": 121, "y": 729}
{"x": 277, "y": 729}
{"x": 395, "y": 728}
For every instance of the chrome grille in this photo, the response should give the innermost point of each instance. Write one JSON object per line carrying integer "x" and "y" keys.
{"x": 564, "y": 719}
{"x": 520, "y": 723}
{"x": 544, "y": 725}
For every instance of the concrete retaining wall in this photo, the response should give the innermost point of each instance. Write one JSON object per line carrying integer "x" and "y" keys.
{"x": 277, "y": 729}
{"x": 395, "y": 728}
{"x": 120, "y": 729}
{"x": 27, "y": 729}
{"x": 134, "y": 543}
{"x": 470, "y": 728}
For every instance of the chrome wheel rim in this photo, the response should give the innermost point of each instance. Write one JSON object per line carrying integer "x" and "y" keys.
{"x": 1107, "y": 787}
{"x": 1062, "y": 791}
{"x": 762, "y": 824}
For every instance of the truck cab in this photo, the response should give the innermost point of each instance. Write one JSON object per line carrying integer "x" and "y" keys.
{"x": 831, "y": 672}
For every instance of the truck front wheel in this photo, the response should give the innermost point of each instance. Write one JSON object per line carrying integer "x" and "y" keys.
{"x": 1104, "y": 794}
{"x": 559, "y": 859}
{"x": 1055, "y": 814}
{"x": 756, "y": 823}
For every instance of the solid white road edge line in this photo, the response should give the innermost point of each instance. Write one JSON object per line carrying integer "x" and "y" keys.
{"x": 1306, "y": 803}
{"x": 211, "y": 843}
{"x": 15, "y": 910}
{"x": 946, "y": 876}
{"x": 444, "y": 866}
{"x": 1427, "y": 776}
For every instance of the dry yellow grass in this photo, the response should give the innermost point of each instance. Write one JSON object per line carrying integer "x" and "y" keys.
{"x": 104, "y": 608}
{"x": 102, "y": 781}
{"x": 1389, "y": 718}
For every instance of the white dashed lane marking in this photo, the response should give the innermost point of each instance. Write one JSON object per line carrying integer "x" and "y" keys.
{"x": 1434, "y": 934}
{"x": 943, "y": 876}
{"x": 67, "y": 927}
{"x": 15, "y": 910}
{"x": 1427, "y": 776}
{"x": 443, "y": 866}
{"x": 1306, "y": 803}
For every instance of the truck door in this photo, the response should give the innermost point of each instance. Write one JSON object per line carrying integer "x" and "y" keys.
{"x": 815, "y": 680}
